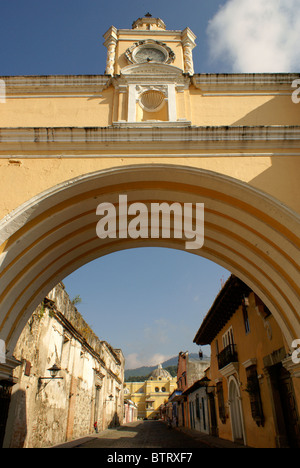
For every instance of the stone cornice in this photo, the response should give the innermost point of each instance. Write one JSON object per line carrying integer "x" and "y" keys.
{"x": 206, "y": 83}
{"x": 7, "y": 368}
{"x": 54, "y": 84}
{"x": 245, "y": 82}
{"x": 132, "y": 33}
{"x": 292, "y": 367}
{"x": 150, "y": 131}
{"x": 177, "y": 139}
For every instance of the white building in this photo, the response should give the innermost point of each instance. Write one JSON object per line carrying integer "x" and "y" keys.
{"x": 89, "y": 388}
{"x": 198, "y": 406}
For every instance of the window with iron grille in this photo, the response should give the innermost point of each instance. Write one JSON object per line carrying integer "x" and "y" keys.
{"x": 246, "y": 319}
{"x": 227, "y": 355}
{"x": 253, "y": 390}
{"x": 221, "y": 403}
{"x": 197, "y": 406}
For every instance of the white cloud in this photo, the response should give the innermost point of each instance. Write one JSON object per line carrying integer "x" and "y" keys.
{"x": 157, "y": 359}
{"x": 135, "y": 360}
{"x": 256, "y": 36}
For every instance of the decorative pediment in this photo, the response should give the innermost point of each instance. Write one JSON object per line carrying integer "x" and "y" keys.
{"x": 157, "y": 70}
{"x": 98, "y": 378}
{"x": 157, "y": 74}
{"x": 230, "y": 369}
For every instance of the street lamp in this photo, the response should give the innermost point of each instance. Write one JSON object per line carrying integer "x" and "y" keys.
{"x": 53, "y": 373}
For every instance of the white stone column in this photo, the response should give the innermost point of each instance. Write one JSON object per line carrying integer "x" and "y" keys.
{"x": 111, "y": 44}
{"x": 131, "y": 103}
{"x": 188, "y": 43}
{"x": 172, "y": 110}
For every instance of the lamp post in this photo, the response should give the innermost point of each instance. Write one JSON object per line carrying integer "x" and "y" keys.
{"x": 53, "y": 374}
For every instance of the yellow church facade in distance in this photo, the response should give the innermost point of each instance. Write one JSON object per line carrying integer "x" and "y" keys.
{"x": 151, "y": 394}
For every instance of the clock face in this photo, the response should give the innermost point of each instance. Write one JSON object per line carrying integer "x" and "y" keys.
{"x": 150, "y": 51}
{"x": 149, "y": 54}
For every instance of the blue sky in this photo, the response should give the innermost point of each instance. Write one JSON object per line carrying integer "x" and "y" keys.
{"x": 66, "y": 36}
{"x": 148, "y": 302}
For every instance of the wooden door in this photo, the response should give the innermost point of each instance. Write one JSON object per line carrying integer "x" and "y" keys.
{"x": 5, "y": 394}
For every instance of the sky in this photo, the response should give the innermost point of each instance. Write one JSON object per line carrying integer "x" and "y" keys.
{"x": 148, "y": 302}
{"x": 66, "y": 36}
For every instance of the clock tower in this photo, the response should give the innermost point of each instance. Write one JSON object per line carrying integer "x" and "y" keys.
{"x": 150, "y": 69}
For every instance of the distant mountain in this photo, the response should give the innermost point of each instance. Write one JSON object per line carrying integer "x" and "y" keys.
{"x": 144, "y": 371}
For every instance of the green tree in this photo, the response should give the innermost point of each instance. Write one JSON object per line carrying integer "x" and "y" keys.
{"x": 77, "y": 300}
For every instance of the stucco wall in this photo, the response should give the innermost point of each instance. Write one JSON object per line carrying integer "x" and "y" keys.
{"x": 48, "y": 412}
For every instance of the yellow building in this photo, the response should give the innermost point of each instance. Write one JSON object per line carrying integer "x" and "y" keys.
{"x": 254, "y": 381}
{"x": 151, "y": 394}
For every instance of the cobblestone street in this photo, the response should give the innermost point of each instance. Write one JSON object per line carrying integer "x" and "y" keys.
{"x": 148, "y": 434}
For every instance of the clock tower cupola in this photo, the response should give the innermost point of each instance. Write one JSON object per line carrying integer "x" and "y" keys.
{"x": 149, "y": 66}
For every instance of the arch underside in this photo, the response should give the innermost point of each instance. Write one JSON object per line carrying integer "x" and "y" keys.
{"x": 53, "y": 234}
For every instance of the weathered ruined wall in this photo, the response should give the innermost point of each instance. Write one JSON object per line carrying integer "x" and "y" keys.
{"x": 47, "y": 412}
{"x": 65, "y": 306}
{"x": 83, "y": 409}
{"x": 195, "y": 370}
{"x": 39, "y": 411}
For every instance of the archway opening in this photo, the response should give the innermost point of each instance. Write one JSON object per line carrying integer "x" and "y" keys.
{"x": 148, "y": 301}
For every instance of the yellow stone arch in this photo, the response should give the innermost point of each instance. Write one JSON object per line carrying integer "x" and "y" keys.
{"x": 246, "y": 231}
{"x": 153, "y": 129}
